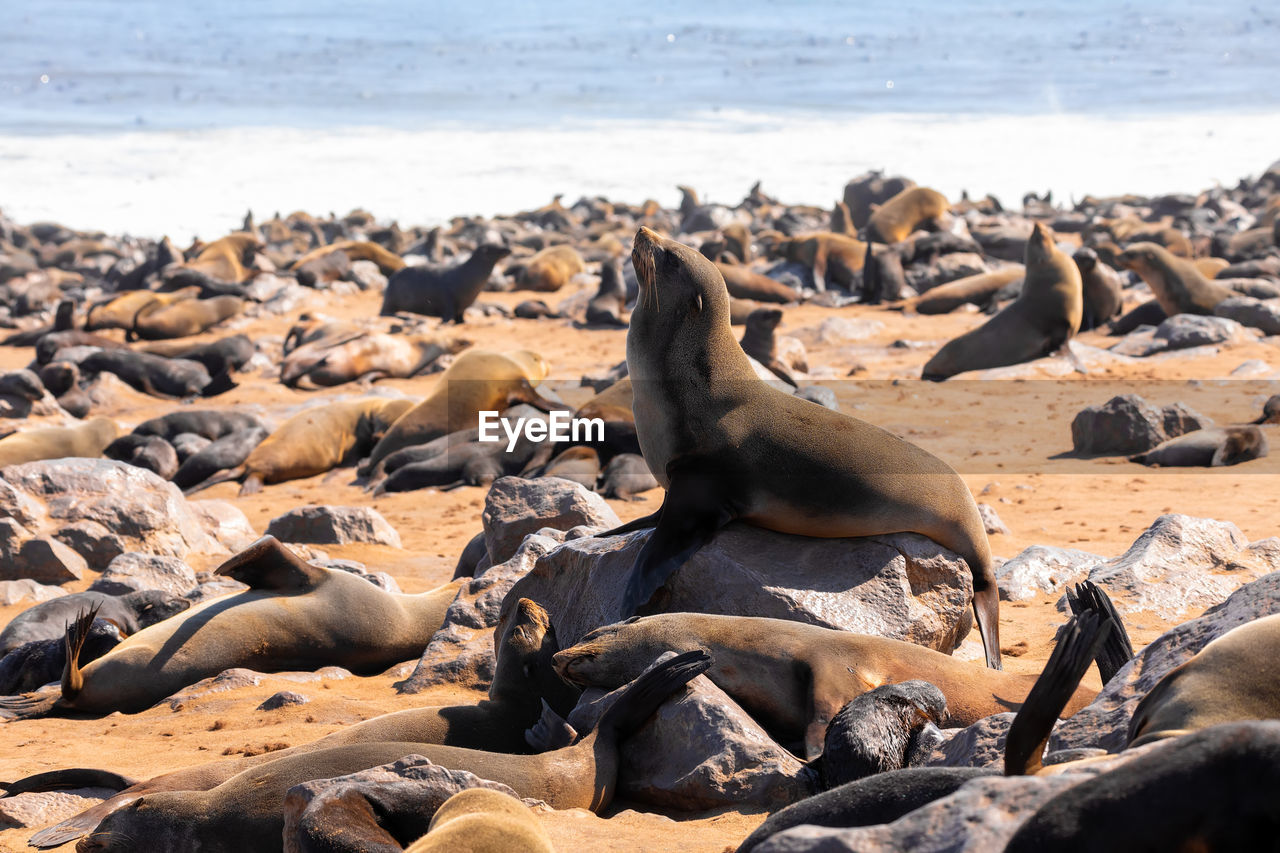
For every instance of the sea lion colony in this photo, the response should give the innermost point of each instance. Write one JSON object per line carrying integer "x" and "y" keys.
{"x": 295, "y": 356}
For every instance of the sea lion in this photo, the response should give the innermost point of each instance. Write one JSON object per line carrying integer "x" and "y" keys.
{"x": 1177, "y": 285}
{"x": 120, "y": 311}
{"x": 977, "y": 290}
{"x": 317, "y": 440}
{"x": 442, "y": 292}
{"x": 832, "y": 257}
{"x": 156, "y": 375}
{"x": 367, "y": 357}
{"x": 478, "y": 380}
{"x": 228, "y": 258}
{"x": 229, "y": 353}
{"x": 209, "y": 423}
{"x": 22, "y": 385}
{"x": 63, "y": 320}
{"x": 790, "y": 676}
{"x": 245, "y": 813}
{"x": 48, "y": 620}
{"x": 229, "y": 451}
{"x": 48, "y": 346}
{"x": 888, "y": 728}
{"x": 550, "y": 269}
{"x": 1101, "y": 287}
{"x": 447, "y": 463}
{"x": 626, "y": 476}
{"x": 1039, "y": 322}
{"x": 184, "y": 319}
{"x": 610, "y": 299}
{"x": 760, "y": 342}
{"x": 87, "y": 440}
{"x": 144, "y": 451}
{"x": 744, "y": 283}
{"x": 1212, "y": 447}
{"x": 580, "y": 465}
{"x": 865, "y": 192}
{"x": 726, "y": 445}
{"x": 39, "y": 662}
{"x": 535, "y": 309}
{"x": 62, "y": 379}
{"x": 293, "y": 616}
{"x": 740, "y": 310}
{"x": 907, "y": 211}
{"x": 329, "y": 263}
{"x": 483, "y": 821}
{"x": 1270, "y": 411}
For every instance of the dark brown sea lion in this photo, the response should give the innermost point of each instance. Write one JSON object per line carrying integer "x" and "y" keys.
{"x": 726, "y": 445}
{"x": 144, "y": 451}
{"x": 606, "y": 306}
{"x": 48, "y": 620}
{"x": 229, "y": 353}
{"x": 210, "y": 423}
{"x": 222, "y": 454}
{"x": 760, "y": 342}
{"x": 156, "y": 375}
{"x": 1101, "y": 286}
{"x": 442, "y": 292}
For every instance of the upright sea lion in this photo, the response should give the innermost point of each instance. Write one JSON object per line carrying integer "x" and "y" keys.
{"x": 479, "y": 380}
{"x": 369, "y": 356}
{"x": 483, "y": 821}
{"x": 442, "y": 292}
{"x": 1101, "y": 287}
{"x": 793, "y": 677}
{"x": 1038, "y": 322}
{"x": 1212, "y": 447}
{"x": 294, "y": 616}
{"x": 245, "y": 813}
{"x": 605, "y": 308}
{"x": 88, "y": 440}
{"x": 63, "y": 320}
{"x": 907, "y": 211}
{"x": 726, "y": 445}
{"x": 976, "y": 290}
{"x": 760, "y": 342}
{"x": 48, "y": 620}
{"x": 1177, "y": 285}
{"x": 550, "y": 269}
{"x": 186, "y": 318}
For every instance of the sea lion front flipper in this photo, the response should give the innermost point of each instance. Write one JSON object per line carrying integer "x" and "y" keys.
{"x": 986, "y": 611}
{"x": 643, "y": 523}
{"x": 550, "y": 732}
{"x": 268, "y": 565}
{"x": 1024, "y": 746}
{"x": 694, "y": 509}
{"x": 63, "y": 780}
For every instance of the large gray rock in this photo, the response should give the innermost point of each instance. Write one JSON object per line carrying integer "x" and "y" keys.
{"x": 1043, "y": 568}
{"x": 1128, "y": 424}
{"x": 1264, "y": 316}
{"x": 225, "y": 523}
{"x": 1180, "y": 564}
{"x": 516, "y": 507}
{"x": 1183, "y": 331}
{"x": 334, "y": 525}
{"x": 101, "y": 507}
{"x": 27, "y": 591}
{"x": 44, "y": 560}
{"x": 132, "y": 572}
{"x": 42, "y": 808}
{"x": 991, "y": 520}
{"x": 902, "y": 586}
{"x": 1105, "y": 723}
{"x": 405, "y": 794}
{"x": 700, "y": 750}
{"x": 977, "y": 745}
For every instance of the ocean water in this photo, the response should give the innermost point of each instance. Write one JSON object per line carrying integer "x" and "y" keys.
{"x": 160, "y": 117}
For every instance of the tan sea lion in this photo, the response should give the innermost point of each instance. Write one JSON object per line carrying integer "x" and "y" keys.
{"x": 368, "y": 356}
{"x": 726, "y": 445}
{"x": 185, "y": 318}
{"x": 1043, "y": 317}
{"x": 970, "y": 290}
{"x": 550, "y": 269}
{"x": 227, "y": 259}
{"x": 1101, "y": 287}
{"x": 479, "y": 820}
{"x": 1210, "y": 267}
{"x": 865, "y": 192}
{"x": 87, "y": 440}
{"x": 790, "y": 676}
{"x": 355, "y": 250}
{"x": 119, "y": 312}
{"x": 445, "y": 292}
{"x": 744, "y": 283}
{"x": 1176, "y": 283}
{"x": 907, "y": 211}
{"x": 832, "y": 257}
{"x": 318, "y": 440}
{"x": 479, "y": 380}
{"x": 245, "y": 813}
{"x": 1212, "y": 447}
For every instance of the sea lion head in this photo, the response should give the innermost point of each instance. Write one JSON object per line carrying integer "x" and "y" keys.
{"x": 154, "y": 605}
{"x": 494, "y": 251}
{"x": 1270, "y": 411}
{"x": 1040, "y": 245}
{"x": 1086, "y": 259}
{"x": 764, "y": 320}
{"x": 1140, "y": 257}
{"x": 525, "y": 649}
{"x": 680, "y": 291}
{"x": 618, "y": 653}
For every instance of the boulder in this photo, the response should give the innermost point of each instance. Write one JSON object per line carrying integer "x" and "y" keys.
{"x": 44, "y": 560}
{"x": 42, "y": 808}
{"x": 132, "y": 572}
{"x": 1043, "y": 568}
{"x": 26, "y": 591}
{"x": 515, "y": 507}
{"x": 282, "y": 699}
{"x": 1264, "y": 316}
{"x": 1127, "y": 424}
{"x": 1183, "y": 331}
{"x": 334, "y": 525}
{"x": 977, "y": 745}
{"x": 991, "y": 520}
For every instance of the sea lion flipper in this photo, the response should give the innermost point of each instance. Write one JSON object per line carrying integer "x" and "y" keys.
{"x": 1117, "y": 650}
{"x": 550, "y": 732}
{"x": 77, "y": 633}
{"x": 62, "y": 780}
{"x": 1024, "y": 747}
{"x": 643, "y": 523}
{"x": 986, "y": 611}
{"x": 268, "y": 565}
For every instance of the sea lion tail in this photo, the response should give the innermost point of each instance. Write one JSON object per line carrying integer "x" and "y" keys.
{"x": 643, "y": 696}
{"x": 1081, "y": 640}
{"x": 63, "y": 780}
{"x": 1117, "y": 650}
{"x": 77, "y": 633}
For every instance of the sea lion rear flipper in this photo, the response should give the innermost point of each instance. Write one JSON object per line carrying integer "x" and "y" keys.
{"x": 268, "y": 565}
{"x": 251, "y": 485}
{"x": 1117, "y": 650}
{"x": 77, "y": 633}
{"x": 28, "y": 706}
{"x": 550, "y": 732}
{"x": 1024, "y": 746}
{"x": 63, "y": 780}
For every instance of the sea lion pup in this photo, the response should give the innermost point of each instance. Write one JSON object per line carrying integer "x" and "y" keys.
{"x": 227, "y": 258}
{"x": 1212, "y": 447}
{"x": 209, "y": 423}
{"x": 316, "y": 440}
{"x": 809, "y": 672}
{"x": 183, "y": 319}
{"x": 832, "y": 257}
{"x": 87, "y": 440}
{"x": 156, "y": 375}
{"x": 1270, "y": 411}
{"x": 478, "y": 380}
{"x": 444, "y": 292}
{"x": 888, "y": 728}
{"x": 977, "y": 290}
{"x": 626, "y": 476}
{"x": 536, "y": 309}
{"x": 229, "y": 451}
{"x": 119, "y": 312}
{"x": 245, "y": 813}
{"x": 606, "y": 307}
{"x": 369, "y": 357}
{"x": 744, "y": 283}
{"x": 229, "y": 353}
{"x": 761, "y": 343}
{"x": 1101, "y": 287}
{"x": 909, "y": 210}
{"x": 1177, "y": 285}
{"x": 1039, "y": 322}
{"x": 294, "y": 616}
{"x": 550, "y": 269}
{"x": 580, "y": 465}
{"x": 726, "y": 445}
{"x": 454, "y": 464}
{"x": 40, "y": 662}
{"x": 145, "y": 451}
{"x": 48, "y": 620}
{"x": 479, "y": 819}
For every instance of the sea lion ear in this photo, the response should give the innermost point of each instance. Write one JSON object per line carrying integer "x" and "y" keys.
{"x": 268, "y": 565}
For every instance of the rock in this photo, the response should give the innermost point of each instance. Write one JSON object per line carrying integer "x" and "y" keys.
{"x": 405, "y": 795}
{"x": 902, "y": 586}
{"x": 698, "y": 751}
{"x": 283, "y": 699}
{"x": 12, "y": 536}
{"x": 1252, "y": 368}
{"x": 1264, "y": 316}
{"x": 44, "y": 560}
{"x": 515, "y": 507}
{"x": 839, "y": 330}
{"x": 1182, "y": 563}
{"x": 334, "y": 525}
{"x": 1105, "y": 723}
{"x": 46, "y": 807}
{"x": 990, "y": 520}
{"x": 367, "y": 276}
{"x": 26, "y": 591}
{"x": 132, "y": 572}
{"x": 948, "y": 267}
{"x": 225, "y": 523}
{"x": 1127, "y": 424}
{"x": 1183, "y": 331}
{"x": 238, "y": 677}
{"x": 130, "y": 509}
{"x": 1043, "y": 568}
{"x": 820, "y": 394}
{"x": 978, "y": 745}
